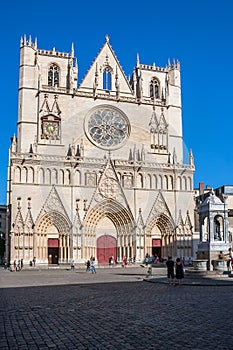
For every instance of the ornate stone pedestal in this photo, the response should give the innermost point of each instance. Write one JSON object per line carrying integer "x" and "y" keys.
{"x": 200, "y": 265}
{"x": 219, "y": 264}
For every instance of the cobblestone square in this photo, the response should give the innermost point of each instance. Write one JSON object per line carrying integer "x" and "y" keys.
{"x": 114, "y": 309}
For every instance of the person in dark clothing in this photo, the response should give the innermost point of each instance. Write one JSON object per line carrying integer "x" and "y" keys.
{"x": 170, "y": 270}
{"x": 179, "y": 271}
{"x": 88, "y": 264}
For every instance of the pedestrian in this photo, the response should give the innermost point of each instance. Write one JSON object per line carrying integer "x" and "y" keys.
{"x": 124, "y": 262}
{"x": 21, "y": 264}
{"x": 72, "y": 265}
{"x": 88, "y": 264}
{"x": 34, "y": 261}
{"x": 170, "y": 270}
{"x": 14, "y": 266}
{"x": 179, "y": 271}
{"x": 18, "y": 268}
{"x": 230, "y": 260}
{"x": 110, "y": 261}
{"x": 93, "y": 270}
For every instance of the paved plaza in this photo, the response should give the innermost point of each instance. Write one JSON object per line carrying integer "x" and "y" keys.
{"x": 113, "y": 309}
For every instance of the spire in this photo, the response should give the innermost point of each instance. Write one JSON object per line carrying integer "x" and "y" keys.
{"x": 30, "y": 149}
{"x": 134, "y": 153}
{"x": 78, "y": 152}
{"x": 69, "y": 153}
{"x": 35, "y": 45}
{"x": 137, "y": 60}
{"x": 14, "y": 144}
{"x": 143, "y": 154}
{"x": 191, "y": 158}
{"x": 107, "y": 38}
{"x": 72, "y": 50}
{"x": 174, "y": 156}
{"x": 82, "y": 148}
{"x": 130, "y": 156}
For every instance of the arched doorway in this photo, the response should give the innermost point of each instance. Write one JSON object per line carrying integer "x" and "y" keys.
{"x": 159, "y": 240}
{"x": 106, "y": 241}
{"x": 108, "y": 218}
{"x": 106, "y": 247}
{"x": 52, "y": 243}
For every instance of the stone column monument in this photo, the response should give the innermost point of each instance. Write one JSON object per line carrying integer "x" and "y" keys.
{"x": 214, "y": 241}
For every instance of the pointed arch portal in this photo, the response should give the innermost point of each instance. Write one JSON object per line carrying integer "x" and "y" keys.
{"x": 159, "y": 236}
{"x": 109, "y": 227}
{"x": 52, "y": 238}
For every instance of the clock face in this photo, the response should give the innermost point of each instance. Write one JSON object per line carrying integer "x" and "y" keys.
{"x": 107, "y": 127}
{"x": 50, "y": 129}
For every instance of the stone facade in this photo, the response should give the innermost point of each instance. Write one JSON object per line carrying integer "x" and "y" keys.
{"x": 97, "y": 168}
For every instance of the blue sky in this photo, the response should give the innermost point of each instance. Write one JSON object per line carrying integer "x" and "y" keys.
{"x": 197, "y": 33}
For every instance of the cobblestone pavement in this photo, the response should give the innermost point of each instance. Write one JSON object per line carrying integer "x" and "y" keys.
{"x": 114, "y": 309}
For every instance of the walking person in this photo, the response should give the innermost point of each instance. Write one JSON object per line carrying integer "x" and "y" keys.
{"x": 110, "y": 261}
{"x": 72, "y": 265}
{"x": 93, "y": 270}
{"x": 124, "y": 262}
{"x": 88, "y": 264}
{"x": 18, "y": 268}
{"x": 230, "y": 260}
{"x": 170, "y": 270}
{"x": 179, "y": 271}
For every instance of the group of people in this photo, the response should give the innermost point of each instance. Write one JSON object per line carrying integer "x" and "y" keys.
{"x": 18, "y": 265}
{"x": 175, "y": 270}
{"x": 90, "y": 265}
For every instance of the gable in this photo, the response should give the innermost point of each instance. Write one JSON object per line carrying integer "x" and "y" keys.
{"x": 106, "y": 59}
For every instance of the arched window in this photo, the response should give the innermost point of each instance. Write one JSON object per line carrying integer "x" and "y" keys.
{"x": 107, "y": 79}
{"x": 53, "y": 75}
{"x": 154, "y": 88}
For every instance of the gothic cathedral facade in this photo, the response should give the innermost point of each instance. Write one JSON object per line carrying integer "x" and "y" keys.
{"x": 97, "y": 167}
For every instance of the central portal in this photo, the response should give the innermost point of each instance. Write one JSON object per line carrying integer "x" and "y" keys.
{"x": 53, "y": 250}
{"x": 106, "y": 247}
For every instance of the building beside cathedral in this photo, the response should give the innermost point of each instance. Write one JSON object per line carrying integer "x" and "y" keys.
{"x": 97, "y": 167}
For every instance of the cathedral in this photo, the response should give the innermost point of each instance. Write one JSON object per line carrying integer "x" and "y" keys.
{"x": 97, "y": 167}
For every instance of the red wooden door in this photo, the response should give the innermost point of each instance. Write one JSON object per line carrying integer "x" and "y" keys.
{"x": 157, "y": 247}
{"x": 53, "y": 250}
{"x": 106, "y": 247}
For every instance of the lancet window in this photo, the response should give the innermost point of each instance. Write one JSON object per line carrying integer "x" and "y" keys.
{"x": 154, "y": 88}
{"x": 53, "y": 75}
{"x": 107, "y": 79}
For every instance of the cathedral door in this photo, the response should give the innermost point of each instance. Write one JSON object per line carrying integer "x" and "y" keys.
{"x": 53, "y": 250}
{"x": 106, "y": 247}
{"x": 156, "y": 247}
